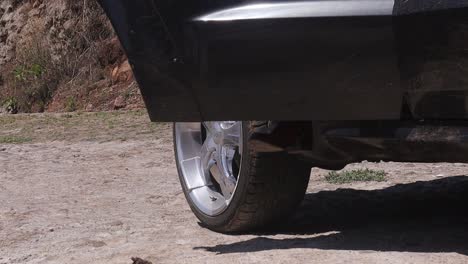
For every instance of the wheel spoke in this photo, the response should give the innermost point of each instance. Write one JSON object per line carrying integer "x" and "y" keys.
{"x": 223, "y": 177}
{"x": 231, "y": 140}
{"x": 227, "y": 186}
{"x": 218, "y": 177}
{"x": 233, "y": 129}
{"x": 211, "y": 127}
{"x": 232, "y": 134}
{"x": 206, "y": 157}
{"x": 227, "y": 157}
{"x": 206, "y": 151}
{"x": 230, "y": 187}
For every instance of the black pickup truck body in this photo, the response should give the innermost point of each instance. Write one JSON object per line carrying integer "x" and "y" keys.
{"x": 372, "y": 79}
{"x": 297, "y": 60}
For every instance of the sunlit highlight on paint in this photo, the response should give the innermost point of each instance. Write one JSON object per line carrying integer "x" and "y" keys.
{"x": 304, "y": 9}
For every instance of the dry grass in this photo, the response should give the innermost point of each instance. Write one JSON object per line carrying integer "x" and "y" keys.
{"x": 13, "y": 140}
{"x": 84, "y": 40}
{"x": 34, "y": 76}
{"x": 74, "y": 127}
{"x": 58, "y": 55}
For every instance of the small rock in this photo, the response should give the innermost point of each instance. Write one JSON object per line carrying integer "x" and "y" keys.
{"x": 140, "y": 261}
{"x": 95, "y": 244}
{"x": 114, "y": 74}
{"x": 119, "y": 103}
{"x": 89, "y": 107}
{"x": 122, "y": 73}
{"x": 116, "y": 223}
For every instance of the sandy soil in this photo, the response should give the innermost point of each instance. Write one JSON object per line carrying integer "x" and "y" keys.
{"x": 93, "y": 200}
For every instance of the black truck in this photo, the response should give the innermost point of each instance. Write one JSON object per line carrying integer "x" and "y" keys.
{"x": 262, "y": 91}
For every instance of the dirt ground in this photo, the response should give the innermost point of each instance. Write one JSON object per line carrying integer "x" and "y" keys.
{"x": 102, "y": 188}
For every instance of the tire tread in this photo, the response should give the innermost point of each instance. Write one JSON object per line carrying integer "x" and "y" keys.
{"x": 277, "y": 185}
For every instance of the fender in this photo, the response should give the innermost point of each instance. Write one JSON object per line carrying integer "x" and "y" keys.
{"x": 296, "y": 60}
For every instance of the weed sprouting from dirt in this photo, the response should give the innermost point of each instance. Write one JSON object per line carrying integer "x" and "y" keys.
{"x": 34, "y": 76}
{"x": 359, "y": 175}
{"x": 10, "y": 104}
{"x": 70, "y": 104}
{"x": 25, "y": 72}
{"x": 78, "y": 126}
{"x": 14, "y": 140}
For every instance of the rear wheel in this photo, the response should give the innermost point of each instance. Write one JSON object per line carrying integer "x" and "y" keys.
{"x": 229, "y": 184}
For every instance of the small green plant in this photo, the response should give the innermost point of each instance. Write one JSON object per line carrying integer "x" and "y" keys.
{"x": 19, "y": 73}
{"x": 359, "y": 175}
{"x": 36, "y": 70}
{"x": 10, "y": 105}
{"x": 14, "y": 140}
{"x": 23, "y": 73}
{"x": 70, "y": 104}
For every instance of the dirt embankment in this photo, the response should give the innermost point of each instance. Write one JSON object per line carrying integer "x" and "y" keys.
{"x": 61, "y": 55}
{"x": 103, "y": 188}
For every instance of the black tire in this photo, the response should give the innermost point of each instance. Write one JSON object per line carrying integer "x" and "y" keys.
{"x": 271, "y": 185}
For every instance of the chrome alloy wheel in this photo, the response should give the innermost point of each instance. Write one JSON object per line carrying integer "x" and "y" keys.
{"x": 209, "y": 159}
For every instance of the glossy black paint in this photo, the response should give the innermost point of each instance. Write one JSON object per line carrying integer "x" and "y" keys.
{"x": 403, "y": 60}
{"x": 433, "y": 63}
